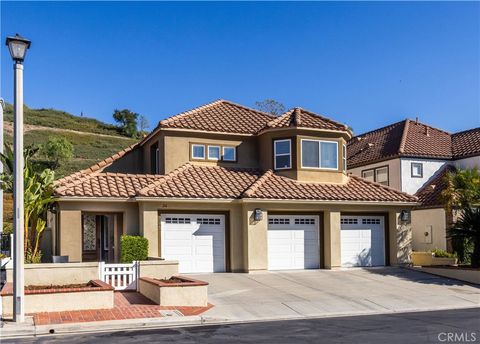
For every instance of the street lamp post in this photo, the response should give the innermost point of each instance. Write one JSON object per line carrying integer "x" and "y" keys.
{"x": 18, "y": 48}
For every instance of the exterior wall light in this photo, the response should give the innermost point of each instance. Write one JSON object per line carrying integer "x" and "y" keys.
{"x": 405, "y": 216}
{"x": 258, "y": 214}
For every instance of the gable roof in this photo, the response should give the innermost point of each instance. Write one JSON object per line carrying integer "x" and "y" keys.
{"x": 192, "y": 181}
{"x": 402, "y": 139}
{"x": 429, "y": 195}
{"x": 466, "y": 143}
{"x": 220, "y": 116}
{"x": 300, "y": 118}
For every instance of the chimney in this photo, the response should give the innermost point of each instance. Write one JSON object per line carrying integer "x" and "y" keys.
{"x": 427, "y": 131}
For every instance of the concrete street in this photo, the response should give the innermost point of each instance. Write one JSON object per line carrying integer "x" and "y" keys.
{"x": 315, "y": 293}
{"x": 404, "y": 328}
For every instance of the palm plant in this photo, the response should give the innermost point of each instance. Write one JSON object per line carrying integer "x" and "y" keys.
{"x": 38, "y": 195}
{"x": 467, "y": 228}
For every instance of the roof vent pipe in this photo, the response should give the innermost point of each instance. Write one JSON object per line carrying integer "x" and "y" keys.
{"x": 416, "y": 120}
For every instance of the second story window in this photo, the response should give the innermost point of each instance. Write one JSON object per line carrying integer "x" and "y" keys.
{"x": 282, "y": 154}
{"x": 319, "y": 154}
{"x": 213, "y": 152}
{"x": 198, "y": 152}
{"x": 417, "y": 170}
{"x": 378, "y": 175}
{"x": 229, "y": 154}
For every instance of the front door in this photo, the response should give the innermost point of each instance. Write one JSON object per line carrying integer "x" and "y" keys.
{"x": 98, "y": 237}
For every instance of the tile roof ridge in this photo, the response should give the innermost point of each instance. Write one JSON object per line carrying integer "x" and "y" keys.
{"x": 465, "y": 131}
{"x": 403, "y": 140}
{"x": 279, "y": 118}
{"x": 256, "y": 184}
{"x": 248, "y": 108}
{"x": 189, "y": 112}
{"x": 378, "y": 129}
{"x": 323, "y": 117}
{"x": 134, "y": 175}
{"x": 297, "y": 116}
{"x": 166, "y": 177}
{"x": 429, "y": 126}
{"x": 99, "y": 165}
{"x": 381, "y": 186}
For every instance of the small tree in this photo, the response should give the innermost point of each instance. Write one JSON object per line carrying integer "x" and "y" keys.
{"x": 133, "y": 248}
{"x": 127, "y": 121}
{"x": 38, "y": 196}
{"x": 462, "y": 195}
{"x": 270, "y": 106}
{"x": 57, "y": 150}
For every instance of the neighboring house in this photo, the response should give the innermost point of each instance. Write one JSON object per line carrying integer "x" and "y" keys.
{"x": 414, "y": 158}
{"x": 227, "y": 188}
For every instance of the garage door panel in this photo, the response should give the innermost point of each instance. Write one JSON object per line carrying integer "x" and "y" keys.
{"x": 198, "y": 243}
{"x": 293, "y": 244}
{"x": 362, "y": 241}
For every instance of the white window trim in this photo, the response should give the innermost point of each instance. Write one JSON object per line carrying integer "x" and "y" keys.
{"x": 282, "y": 154}
{"x": 234, "y": 153}
{"x": 411, "y": 169}
{"x": 319, "y": 155}
{"x": 344, "y": 157}
{"x": 204, "y": 152}
{"x": 219, "y": 152}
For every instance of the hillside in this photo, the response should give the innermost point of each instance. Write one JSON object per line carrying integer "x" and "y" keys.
{"x": 92, "y": 140}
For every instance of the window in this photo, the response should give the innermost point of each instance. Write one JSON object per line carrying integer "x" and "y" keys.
{"x": 209, "y": 221}
{"x": 213, "y": 152}
{"x": 229, "y": 154}
{"x": 319, "y": 154}
{"x": 417, "y": 170}
{"x": 178, "y": 220}
{"x": 378, "y": 175}
{"x": 370, "y": 221}
{"x": 348, "y": 221}
{"x": 278, "y": 221}
{"x": 198, "y": 152}
{"x": 282, "y": 154}
{"x": 304, "y": 221}
{"x": 344, "y": 158}
{"x": 368, "y": 175}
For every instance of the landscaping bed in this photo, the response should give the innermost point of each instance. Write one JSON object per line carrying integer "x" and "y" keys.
{"x": 94, "y": 294}
{"x": 175, "y": 291}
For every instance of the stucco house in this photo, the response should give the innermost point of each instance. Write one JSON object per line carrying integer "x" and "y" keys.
{"x": 224, "y": 187}
{"x": 414, "y": 158}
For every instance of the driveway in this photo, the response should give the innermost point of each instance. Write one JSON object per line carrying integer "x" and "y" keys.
{"x": 322, "y": 293}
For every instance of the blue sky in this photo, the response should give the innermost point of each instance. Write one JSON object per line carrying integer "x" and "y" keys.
{"x": 365, "y": 64}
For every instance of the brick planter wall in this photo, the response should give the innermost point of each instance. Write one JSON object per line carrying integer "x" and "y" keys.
{"x": 61, "y": 299}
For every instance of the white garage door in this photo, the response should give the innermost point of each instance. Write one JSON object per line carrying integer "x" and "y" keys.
{"x": 363, "y": 240}
{"x": 197, "y": 241}
{"x": 293, "y": 242}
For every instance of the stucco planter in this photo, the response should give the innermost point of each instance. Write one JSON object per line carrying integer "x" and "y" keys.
{"x": 469, "y": 275}
{"x": 187, "y": 292}
{"x": 428, "y": 259}
{"x": 97, "y": 296}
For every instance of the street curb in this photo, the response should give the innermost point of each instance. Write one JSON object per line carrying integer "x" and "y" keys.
{"x": 187, "y": 321}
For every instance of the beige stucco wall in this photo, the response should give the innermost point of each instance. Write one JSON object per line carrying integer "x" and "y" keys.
{"x": 177, "y": 149}
{"x": 400, "y": 239}
{"x": 158, "y": 268}
{"x": 187, "y": 296}
{"x": 58, "y": 302}
{"x": 332, "y": 242}
{"x": 297, "y": 172}
{"x": 70, "y": 222}
{"x": 48, "y": 273}
{"x": 432, "y": 221}
{"x": 394, "y": 169}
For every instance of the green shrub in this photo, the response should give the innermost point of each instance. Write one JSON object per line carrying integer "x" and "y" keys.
{"x": 133, "y": 248}
{"x": 443, "y": 254}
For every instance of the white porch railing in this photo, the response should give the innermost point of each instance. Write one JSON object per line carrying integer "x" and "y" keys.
{"x": 119, "y": 276}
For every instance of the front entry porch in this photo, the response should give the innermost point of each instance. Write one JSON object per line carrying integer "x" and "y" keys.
{"x": 101, "y": 237}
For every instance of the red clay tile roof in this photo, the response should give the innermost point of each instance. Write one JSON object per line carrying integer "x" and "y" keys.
{"x": 429, "y": 195}
{"x": 106, "y": 185}
{"x": 466, "y": 143}
{"x": 220, "y": 116}
{"x": 197, "y": 181}
{"x": 406, "y": 138}
{"x": 94, "y": 168}
{"x": 193, "y": 181}
{"x": 300, "y": 118}
{"x": 272, "y": 186}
